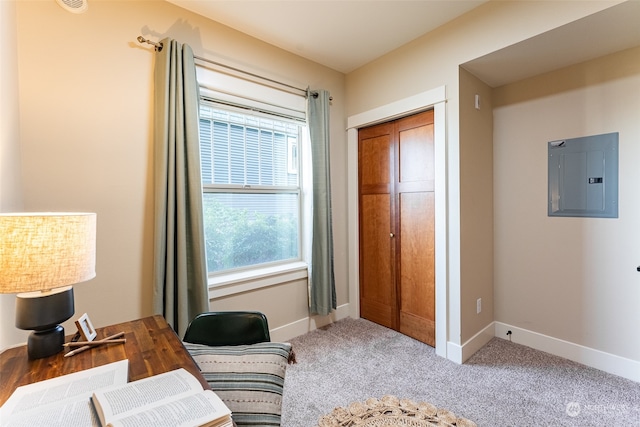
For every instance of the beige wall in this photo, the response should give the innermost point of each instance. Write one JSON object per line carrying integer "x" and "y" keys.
{"x": 10, "y": 188}
{"x": 433, "y": 61}
{"x": 10, "y": 198}
{"x": 574, "y": 279}
{"x": 476, "y": 203}
{"x": 85, "y": 112}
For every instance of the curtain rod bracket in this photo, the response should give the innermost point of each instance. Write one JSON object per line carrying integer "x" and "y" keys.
{"x": 157, "y": 46}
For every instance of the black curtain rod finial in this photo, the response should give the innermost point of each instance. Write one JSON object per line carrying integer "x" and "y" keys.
{"x": 315, "y": 95}
{"x": 157, "y": 46}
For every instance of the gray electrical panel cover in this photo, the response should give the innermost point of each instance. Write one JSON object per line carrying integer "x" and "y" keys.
{"x": 583, "y": 176}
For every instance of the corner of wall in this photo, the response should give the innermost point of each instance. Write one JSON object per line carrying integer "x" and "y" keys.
{"x": 461, "y": 353}
{"x": 591, "y": 357}
{"x": 10, "y": 197}
{"x": 476, "y": 205}
{"x": 302, "y": 326}
{"x": 10, "y": 184}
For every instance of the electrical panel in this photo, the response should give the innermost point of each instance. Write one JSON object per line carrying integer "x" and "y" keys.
{"x": 583, "y": 176}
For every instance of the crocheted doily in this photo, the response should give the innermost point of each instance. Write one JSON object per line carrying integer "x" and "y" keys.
{"x": 392, "y": 411}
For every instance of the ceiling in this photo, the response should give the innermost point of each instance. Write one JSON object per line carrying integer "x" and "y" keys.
{"x": 344, "y": 35}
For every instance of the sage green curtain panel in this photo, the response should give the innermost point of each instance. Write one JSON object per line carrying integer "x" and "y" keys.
{"x": 322, "y": 287}
{"x": 180, "y": 270}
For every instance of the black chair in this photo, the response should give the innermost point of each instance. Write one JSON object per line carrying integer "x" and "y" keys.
{"x": 223, "y": 328}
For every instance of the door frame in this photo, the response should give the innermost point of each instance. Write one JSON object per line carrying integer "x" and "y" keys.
{"x": 436, "y": 99}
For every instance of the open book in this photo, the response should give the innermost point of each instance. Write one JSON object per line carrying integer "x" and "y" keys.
{"x": 175, "y": 398}
{"x": 61, "y": 401}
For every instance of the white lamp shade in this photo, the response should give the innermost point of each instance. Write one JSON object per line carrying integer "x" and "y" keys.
{"x": 42, "y": 251}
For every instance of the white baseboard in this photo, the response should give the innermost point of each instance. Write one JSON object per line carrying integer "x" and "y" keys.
{"x": 300, "y": 327}
{"x": 460, "y": 353}
{"x": 607, "y": 362}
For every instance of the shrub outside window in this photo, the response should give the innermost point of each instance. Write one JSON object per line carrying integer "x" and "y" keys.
{"x": 251, "y": 188}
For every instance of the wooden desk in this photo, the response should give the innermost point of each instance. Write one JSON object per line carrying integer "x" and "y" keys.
{"x": 152, "y": 348}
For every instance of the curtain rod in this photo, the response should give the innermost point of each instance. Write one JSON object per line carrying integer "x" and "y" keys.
{"x": 158, "y": 47}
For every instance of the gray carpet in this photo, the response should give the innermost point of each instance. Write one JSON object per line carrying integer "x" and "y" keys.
{"x": 503, "y": 384}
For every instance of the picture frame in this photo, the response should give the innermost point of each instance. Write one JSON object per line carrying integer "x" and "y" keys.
{"x": 85, "y": 328}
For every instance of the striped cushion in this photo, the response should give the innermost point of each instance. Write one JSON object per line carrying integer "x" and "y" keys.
{"x": 248, "y": 378}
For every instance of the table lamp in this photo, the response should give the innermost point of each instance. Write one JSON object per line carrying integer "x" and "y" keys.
{"x": 41, "y": 256}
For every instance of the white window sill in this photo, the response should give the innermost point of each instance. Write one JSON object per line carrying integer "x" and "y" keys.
{"x": 234, "y": 283}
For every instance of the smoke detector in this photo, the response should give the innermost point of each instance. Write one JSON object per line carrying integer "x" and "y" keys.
{"x": 73, "y": 6}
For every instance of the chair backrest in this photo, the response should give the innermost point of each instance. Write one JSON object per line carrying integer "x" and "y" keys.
{"x": 228, "y": 328}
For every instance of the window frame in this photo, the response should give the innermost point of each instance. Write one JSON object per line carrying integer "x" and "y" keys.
{"x": 241, "y": 279}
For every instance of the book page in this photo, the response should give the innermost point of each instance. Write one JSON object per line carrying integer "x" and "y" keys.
{"x": 114, "y": 401}
{"x": 203, "y": 408}
{"x": 62, "y": 401}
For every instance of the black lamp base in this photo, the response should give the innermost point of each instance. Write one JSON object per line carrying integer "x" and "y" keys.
{"x": 42, "y": 312}
{"x": 45, "y": 343}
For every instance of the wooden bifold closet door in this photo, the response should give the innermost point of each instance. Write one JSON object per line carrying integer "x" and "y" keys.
{"x": 396, "y": 205}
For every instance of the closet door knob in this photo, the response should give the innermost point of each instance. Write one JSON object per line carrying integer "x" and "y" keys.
{"x": 391, "y": 235}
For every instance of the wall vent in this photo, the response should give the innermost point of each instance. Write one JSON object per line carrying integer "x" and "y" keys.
{"x": 74, "y": 6}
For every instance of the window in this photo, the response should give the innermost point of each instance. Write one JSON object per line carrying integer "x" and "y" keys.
{"x": 251, "y": 187}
